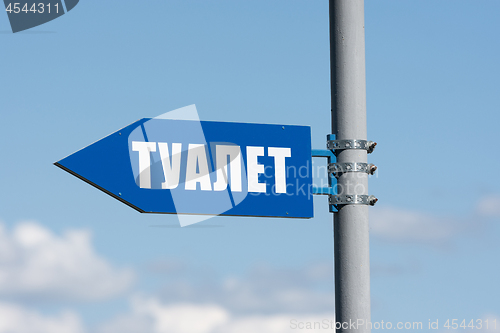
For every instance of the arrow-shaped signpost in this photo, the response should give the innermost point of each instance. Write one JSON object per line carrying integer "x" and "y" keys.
{"x": 209, "y": 168}
{"x": 214, "y": 168}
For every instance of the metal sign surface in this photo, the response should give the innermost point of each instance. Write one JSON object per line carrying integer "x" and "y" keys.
{"x": 202, "y": 167}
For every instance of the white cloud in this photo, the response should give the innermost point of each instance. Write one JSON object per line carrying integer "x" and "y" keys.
{"x": 265, "y": 300}
{"x": 406, "y": 225}
{"x": 16, "y": 319}
{"x": 150, "y": 315}
{"x": 402, "y": 225}
{"x": 35, "y": 263}
{"x": 283, "y": 323}
{"x": 264, "y": 289}
{"x": 489, "y": 206}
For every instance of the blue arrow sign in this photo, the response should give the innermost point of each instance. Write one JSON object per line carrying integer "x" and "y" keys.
{"x": 202, "y": 167}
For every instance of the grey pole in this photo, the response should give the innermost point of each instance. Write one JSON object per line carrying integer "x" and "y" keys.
{"x": 351, "y": 237}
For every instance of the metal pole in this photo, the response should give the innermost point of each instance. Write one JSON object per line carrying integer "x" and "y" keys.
{"x": 351, "y": 237}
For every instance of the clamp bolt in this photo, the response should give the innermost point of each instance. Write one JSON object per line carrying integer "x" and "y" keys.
{"x": 371, "y": 147}
{"x": 372, "y": 168}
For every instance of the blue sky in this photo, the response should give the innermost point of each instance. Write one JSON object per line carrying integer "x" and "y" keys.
{"x": 433, "y": 108}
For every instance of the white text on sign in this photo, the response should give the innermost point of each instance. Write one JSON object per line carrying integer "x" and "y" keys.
{"x": 197, "y": 170}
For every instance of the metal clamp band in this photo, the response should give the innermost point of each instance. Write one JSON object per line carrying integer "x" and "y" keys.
{"x": 338, "y": 168}
{"x": 353, "y": 199}
{"x": 369, "y": 146}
